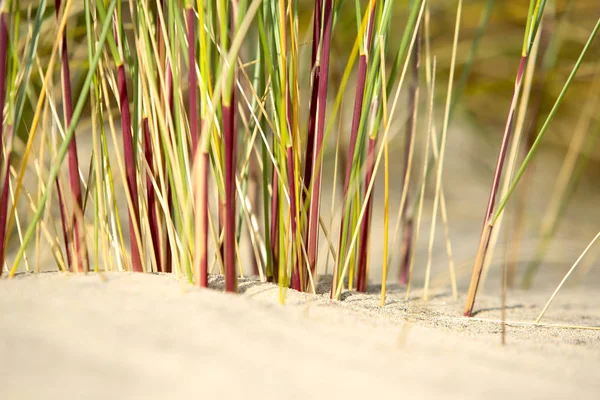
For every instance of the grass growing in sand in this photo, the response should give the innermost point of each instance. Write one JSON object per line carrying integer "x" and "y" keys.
{"x": 215, "y": 117}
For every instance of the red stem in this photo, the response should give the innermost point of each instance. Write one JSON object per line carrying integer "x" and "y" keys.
{"x": 314, "y": 97}
{"x": 298, "y": 281}
{"x": 356, "y": 117}
{"x": 358, "y": 103}
{"x": 3, "y": 59}
{"x": 134, "y": 211}
{"x": 504, "y": 146}
{"x": 310, "y": 135}
{"x": 5, "y": 192}
{"x": 486, "y": 231}
{"x": 151, "y": 196}
{"x": 167, "y": 247}
{"x": 4, "y": 198}
{"x": 78, "y": 235}
{"x": 229, "y": 237}
{"x": 363, "y": 252}
{"x": 315, "y": 195}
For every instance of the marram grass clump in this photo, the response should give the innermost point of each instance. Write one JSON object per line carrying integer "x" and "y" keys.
{"x": 210, "y": 121}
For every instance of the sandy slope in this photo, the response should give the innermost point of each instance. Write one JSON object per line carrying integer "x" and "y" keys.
{"x": 148, "y": 336}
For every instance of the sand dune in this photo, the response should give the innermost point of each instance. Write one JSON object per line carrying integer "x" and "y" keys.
{"x": 149, "y": 336}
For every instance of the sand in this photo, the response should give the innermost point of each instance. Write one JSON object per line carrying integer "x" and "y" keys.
{"x": 130, "y": 336}
{"x": 123, "y": 335}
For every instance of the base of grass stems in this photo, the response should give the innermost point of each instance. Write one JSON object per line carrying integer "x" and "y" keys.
{"x": 478, "y": 269}
{"x": 487, "y": 228}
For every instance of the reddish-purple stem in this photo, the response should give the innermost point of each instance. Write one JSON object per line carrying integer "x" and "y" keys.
{"x": 78, "y": 236}
{"x": 315, "y": 195}
{"x": 167, "y": 248}
{"x": 486, "y": 230}
{"x": 3, "y": 54}
{"x": 229, "y": 142}
{"x": 298, "y": 271}
{"x": 4, "y": 209}
{"x": 504, "y": 146}
{"x": 4, "y": 198}
{"x": 166, "y": 96}
{"x": 151, "y": 196}
{"x": 356, "y": 117}
{"x": 363, "y": 252}
{"x": 358, "y": 103}
{"x": 130, "y": 170}
{"x": 5, "y": 192}
{"x": 229, "y": 237}
{"x": 310, "y": 135}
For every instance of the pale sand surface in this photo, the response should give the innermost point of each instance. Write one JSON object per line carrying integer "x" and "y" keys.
{"x": 147, "y": 336}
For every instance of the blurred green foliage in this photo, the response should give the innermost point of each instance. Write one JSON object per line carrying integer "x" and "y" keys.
{"x": 489, "y": 86}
